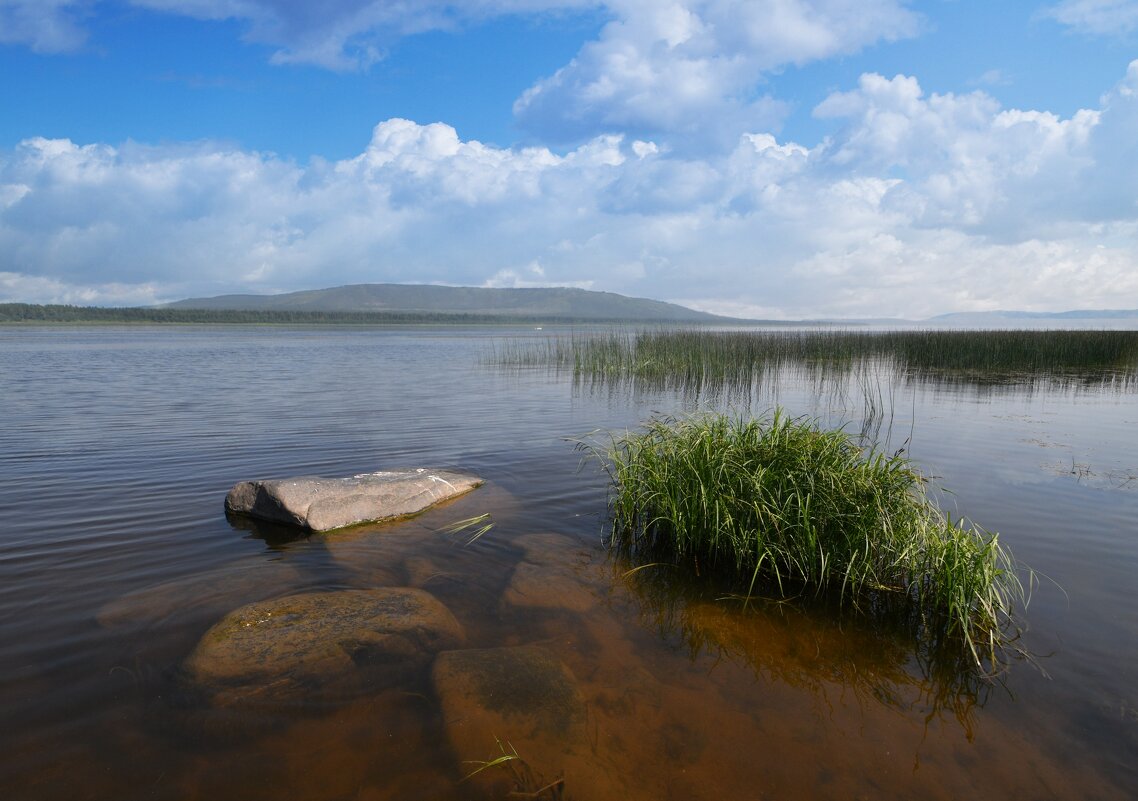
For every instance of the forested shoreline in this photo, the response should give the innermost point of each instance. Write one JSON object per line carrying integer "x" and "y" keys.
{"x": 59, "y": 313}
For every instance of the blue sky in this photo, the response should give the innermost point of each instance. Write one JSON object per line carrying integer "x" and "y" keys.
{"x": 774, "y": 158}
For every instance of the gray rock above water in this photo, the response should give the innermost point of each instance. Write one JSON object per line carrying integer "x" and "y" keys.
{"x": 322, "y": 504}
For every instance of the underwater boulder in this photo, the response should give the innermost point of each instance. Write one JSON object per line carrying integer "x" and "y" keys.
{"x": 320, "y": 646}
{"x": 522, "y": 702}
{"x": 552, "y": 575}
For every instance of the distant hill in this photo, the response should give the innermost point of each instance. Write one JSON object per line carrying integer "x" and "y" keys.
{"x": 552, "y": 303}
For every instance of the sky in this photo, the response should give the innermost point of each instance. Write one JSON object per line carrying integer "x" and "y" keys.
{"x": 781, "y": 159}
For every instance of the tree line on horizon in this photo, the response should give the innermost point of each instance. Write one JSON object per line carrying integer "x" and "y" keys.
{"x": 62, "y": 313}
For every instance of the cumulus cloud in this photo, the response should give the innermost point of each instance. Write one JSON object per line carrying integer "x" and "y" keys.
{"x": 669, "y": 66}
{"x": 418, "y": 204}
{"x": 919, "y": 203}
{"x": 965, "y": 161}
{"x": 1098, "y": 17}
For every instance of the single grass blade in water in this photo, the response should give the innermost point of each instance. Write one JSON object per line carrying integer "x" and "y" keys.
{"x": 472, "y": 528}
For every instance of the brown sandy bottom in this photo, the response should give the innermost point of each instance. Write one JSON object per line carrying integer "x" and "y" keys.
{"x": 683, "y": 699}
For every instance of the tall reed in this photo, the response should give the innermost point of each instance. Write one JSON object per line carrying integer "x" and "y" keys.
{"x": 785, "y": 506}
{"x": 686, "y": 357}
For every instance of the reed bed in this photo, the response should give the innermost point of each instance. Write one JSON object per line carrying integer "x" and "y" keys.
{"x": 781, "y": 505}
{"x": 694, "y": 356}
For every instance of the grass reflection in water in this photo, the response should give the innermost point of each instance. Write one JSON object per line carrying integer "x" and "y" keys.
{"x": 678, "y": 358}
{"x": 808, "y": 645}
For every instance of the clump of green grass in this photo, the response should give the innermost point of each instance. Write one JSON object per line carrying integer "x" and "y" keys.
{"x": 782, "y": 505}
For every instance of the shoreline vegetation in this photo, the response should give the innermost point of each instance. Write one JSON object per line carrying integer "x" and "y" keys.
{"x": 31, "y": 314}
{"x": 781, "y": 507}
{"x": 693, "y": 357}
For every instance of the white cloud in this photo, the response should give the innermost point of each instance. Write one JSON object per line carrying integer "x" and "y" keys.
{"x": 429, "y": 161}
{"x": 659, "y": 66}
{"x": 918, "y": 204}
{"x": 669, "y": 66}
{"x": 1112, "y": 195}
{"x": 660, "y": 69}
{"x": 347, "y": 34}
{"x": 46, "y": 26}
{"x": 417, "y": 205}
{"x": 337, "y": 34}
{"x": 129, "y": 214}
{"x": 964, "y": 160}
{"x": 1098, "y": 17}
{"x": 37, "y": 289}
{"x": 993, "y": 77}
{"x": 517, "y": 279}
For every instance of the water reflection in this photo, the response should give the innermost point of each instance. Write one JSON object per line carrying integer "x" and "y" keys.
{"x": 868, "y": 384}
{"x": 276, "y": 536}
{"x": 744, "y": 367}
{"x": 1096, "y": 381}
{"x": 117, "y": 560}
{"x": 809, "y": 647}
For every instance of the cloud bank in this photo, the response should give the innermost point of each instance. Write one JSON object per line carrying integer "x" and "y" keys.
{"x": 920, "y": 203}
{"x": 657, "y": 171}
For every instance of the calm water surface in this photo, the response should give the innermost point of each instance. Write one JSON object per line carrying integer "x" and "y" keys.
{"x": 118, "y": 445}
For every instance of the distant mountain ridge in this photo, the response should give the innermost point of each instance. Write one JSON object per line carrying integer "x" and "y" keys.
{"x": 1083, "y": 318}
{"x": 1075, "y": 314}
{"x": 553, "y": 303}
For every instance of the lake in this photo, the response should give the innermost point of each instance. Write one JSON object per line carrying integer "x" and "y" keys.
{"x": 118, "y": 445}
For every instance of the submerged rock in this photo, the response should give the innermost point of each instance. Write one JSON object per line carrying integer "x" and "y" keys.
{"x": 321, "y": 504}
{"x": 550, "y": 575}
{"x": 502, "y": 700}
{"x": 320, "y": 645}
{"x": 524, "y": 691}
